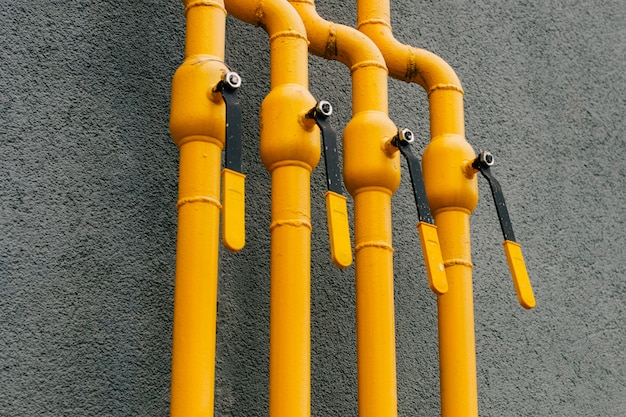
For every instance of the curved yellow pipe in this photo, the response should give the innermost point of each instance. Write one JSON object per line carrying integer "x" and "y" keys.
{"x": 197, "y": 126}
{"x": 371, "y": 174}
{"x": 452, "y": 194}
{"x": 290, "y": 150}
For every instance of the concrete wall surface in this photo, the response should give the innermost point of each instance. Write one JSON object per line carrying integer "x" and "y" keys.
{"x": 88, "y": 187}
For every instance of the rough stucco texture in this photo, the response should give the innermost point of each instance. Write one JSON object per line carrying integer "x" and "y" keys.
{"x": 88, "y": 178}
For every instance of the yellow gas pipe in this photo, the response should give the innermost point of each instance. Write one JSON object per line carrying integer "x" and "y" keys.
{"x": 371, "y": 174}
{"x": 290, "y": 150}
{"x": 452, "y": 194}
{"x": 451, "y": 186}
{"x": 197, "y": 126}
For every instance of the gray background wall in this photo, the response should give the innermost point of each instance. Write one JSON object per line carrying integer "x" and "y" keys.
{"x": 88, "y": 178}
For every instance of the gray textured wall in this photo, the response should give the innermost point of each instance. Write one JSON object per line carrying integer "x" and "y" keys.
{"x": 88, "y": 178}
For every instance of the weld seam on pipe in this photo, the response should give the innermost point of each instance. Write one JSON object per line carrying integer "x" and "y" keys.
{"x": 331, "y": 50}
{"x": 412, "y": 69}
{"x": 288, "y": 34}
{"x": 291, "y": 222}
{"x": 290, "y": 163}
{"x": 207, "y": 3}
{"x": 457, "y": 262}
{"x": 457, "y": 209}
{"x": 199, "y": 199}
{"x": 369, "y": 63}
{"x": 381, "y": 244}
{"x": 449, "y": 87}
{"x": 373, "y": 22}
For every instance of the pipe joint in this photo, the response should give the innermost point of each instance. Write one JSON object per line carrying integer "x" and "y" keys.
{"x": 370, "y": 133}
{"x": 189, "y": 4}
{"x": 196, "y": 109}
{"x": 445, "y": 168}
{"x": 287, "y": 134}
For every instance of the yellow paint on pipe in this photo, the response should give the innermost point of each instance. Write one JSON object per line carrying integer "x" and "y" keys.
{"x": 457, "y": 352}
{"x": 452, "y": 195}
{"x": 197, "y": 126}
{"x": 205, "y": 28}
{"x": 290, "y": 150}
{"x": 371, "y": 180}
{"x": 195, "y": 296}
{"x": 376, "y": 350}
{"x": 290, "y": 293}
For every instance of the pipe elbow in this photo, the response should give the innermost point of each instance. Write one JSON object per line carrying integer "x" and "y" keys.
{"x": 288, "y": 41}
{"x": 436, "y": 72}
{"x": 352, "y": 48}
{"x": 337, "y": 42}
{"x": 275, "y": 16}
{"x": 408, "y": 63}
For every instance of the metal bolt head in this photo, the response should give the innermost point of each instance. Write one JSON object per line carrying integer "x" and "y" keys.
{"x": 232, "y": 79}
{"x": 324, "y": 108}
{"x": 486, "y": 158}
{"x": 406, "y": 135}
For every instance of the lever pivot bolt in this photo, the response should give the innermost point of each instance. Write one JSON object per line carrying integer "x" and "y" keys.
{"x": 321, "y": 111}
{"x": 485, "y": 159}
{"x": 403, "y": 137}
{"x": 232, "y": 79}
{"x": 407, "y": 135}
{"x": 325, "y": 108}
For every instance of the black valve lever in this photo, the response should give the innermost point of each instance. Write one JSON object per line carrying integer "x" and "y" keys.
{"x": 233, "y": 181}
{"x": 336, "y": 207}
{"x": 403, "y": 141}
{"x": 512, "y": 249}
{"x": 228, "y": 86}
{"x": 483, "y": 164}
{"x": 427, "y": 230}
{"x": 320, "y": 113}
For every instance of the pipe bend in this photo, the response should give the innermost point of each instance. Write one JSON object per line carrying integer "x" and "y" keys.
{"x": 274, "y": 16}
{"x": 338, "y": 42}
{"x": 218, "y": 4}
{"x": 409, "y": 63}
{"x": 288, "y": 41}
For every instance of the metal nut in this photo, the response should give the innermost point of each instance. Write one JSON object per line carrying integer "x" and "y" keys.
{"x": 406, "y": 135}
{"x": 232, "y": 79}
{"x": 324, "y": 108}
{"x": 487, "y": 158}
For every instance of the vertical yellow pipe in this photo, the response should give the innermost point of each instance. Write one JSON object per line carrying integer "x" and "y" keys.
{"x": 452, "y": 194}
{"x": 376, "y": 349}
{"x": 197, "y": 125}
{"x": 290, "y": 150}
{"x": 372, "y": 174}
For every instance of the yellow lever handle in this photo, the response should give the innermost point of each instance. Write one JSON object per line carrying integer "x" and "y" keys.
{"x": 338, "y": 229}
{"x": 519, "y": 273}
{"x": 233, "y": 210}
{"x": 433, "y": 259}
